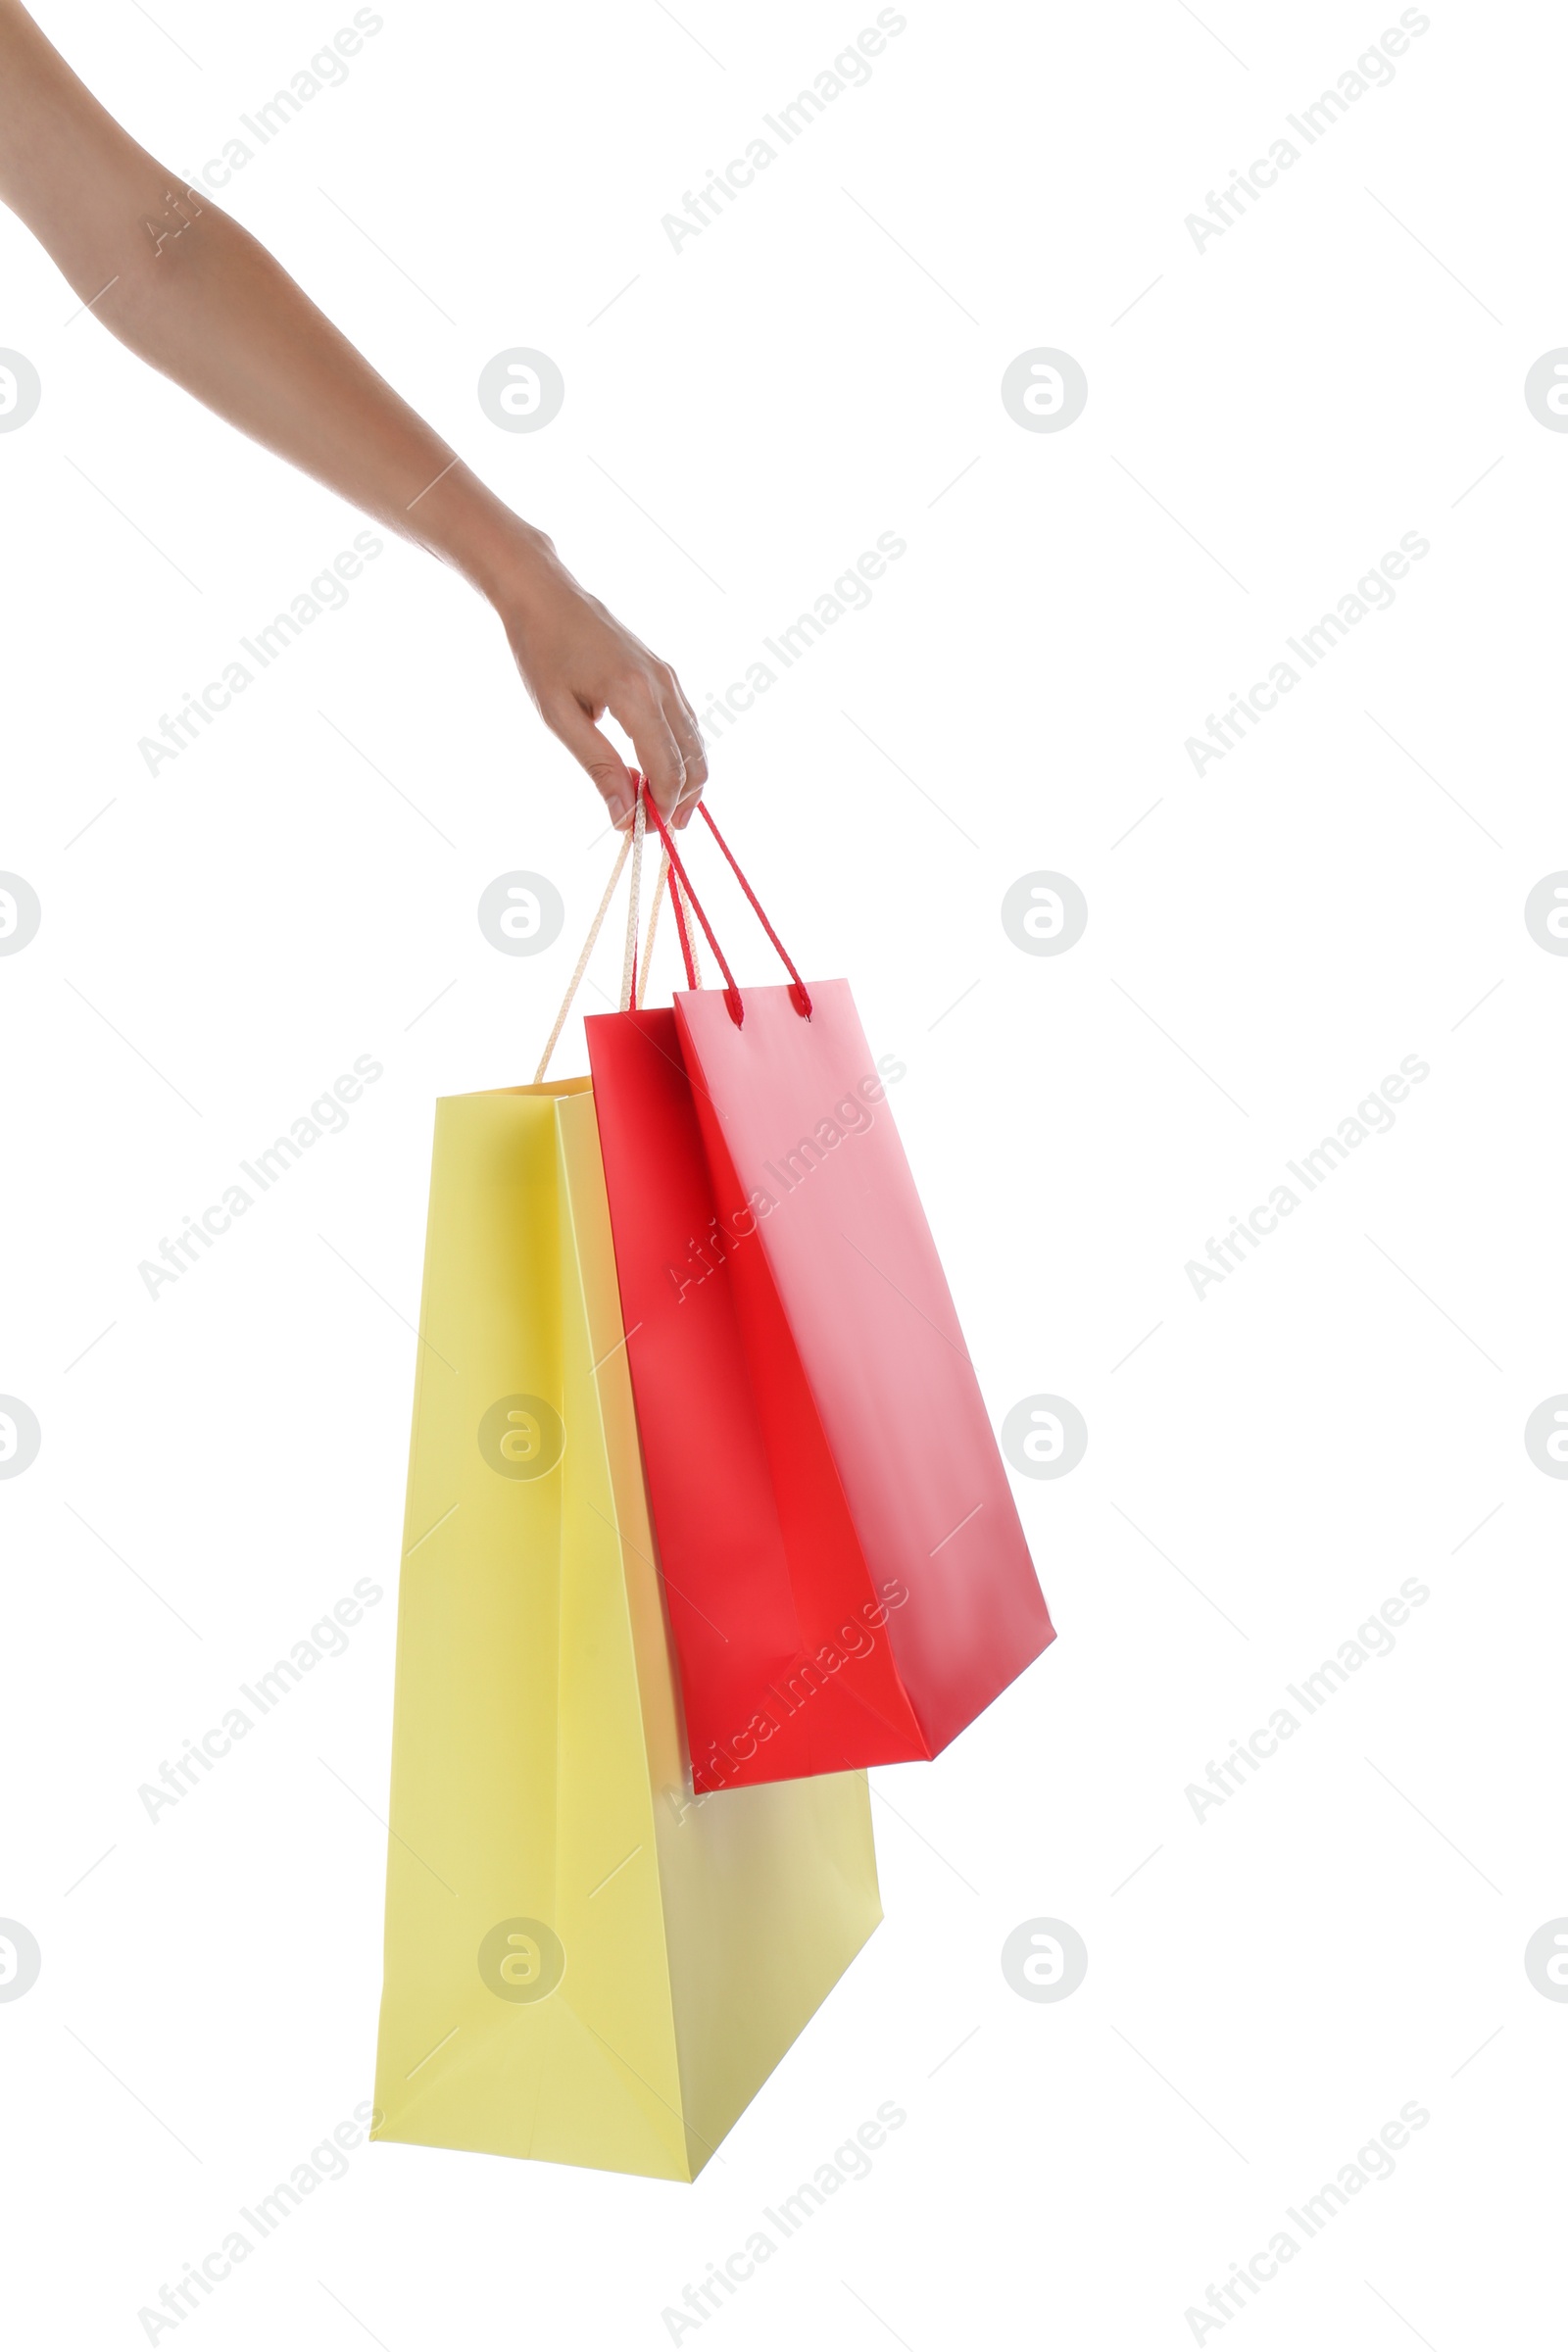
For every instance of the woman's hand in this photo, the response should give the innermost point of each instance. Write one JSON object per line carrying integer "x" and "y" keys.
{"x": 577, "y": 662}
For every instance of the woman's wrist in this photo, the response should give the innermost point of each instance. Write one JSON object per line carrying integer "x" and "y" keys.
{"x": 499, "y": 555}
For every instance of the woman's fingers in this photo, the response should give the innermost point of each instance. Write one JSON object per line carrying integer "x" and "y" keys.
{"x": 689, "y": 735}
{"x": 637, "y": 703}
{"x": 594, "y": 753}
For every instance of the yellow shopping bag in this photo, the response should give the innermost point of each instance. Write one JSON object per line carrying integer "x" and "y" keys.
{"x": 583, "y": 1963}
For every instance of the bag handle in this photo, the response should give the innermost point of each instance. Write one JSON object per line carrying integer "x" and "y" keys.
{"x": 799, "y": 994}
{"x": 634, "y": 970}
{"x": 636, "y": 964}
{"x": 666, "y": 881}
{"x": 629, "y": 968}
{"x": 576, "y": 982}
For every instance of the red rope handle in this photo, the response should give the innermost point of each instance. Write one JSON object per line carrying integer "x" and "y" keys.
{"x": 800, "y": 996}
{"x": 732, "y": 994}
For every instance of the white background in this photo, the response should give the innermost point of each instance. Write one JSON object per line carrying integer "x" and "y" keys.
{"x": 1344, "y": 366}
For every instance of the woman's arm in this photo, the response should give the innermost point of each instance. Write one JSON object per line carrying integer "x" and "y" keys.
{"x": 193, "y": 294}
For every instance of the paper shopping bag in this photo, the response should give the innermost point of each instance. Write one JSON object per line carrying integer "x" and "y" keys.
{"x": 847, "y": 1577}
{"x": 584, "y": 1962}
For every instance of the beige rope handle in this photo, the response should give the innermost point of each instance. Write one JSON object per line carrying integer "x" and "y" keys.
{"x": 575, "y": 981}
{"x": 646, "y": 965}
{"x": 666, "y": 875}
{"x": 629, "y": 965}
{"x": 631, "y": 846}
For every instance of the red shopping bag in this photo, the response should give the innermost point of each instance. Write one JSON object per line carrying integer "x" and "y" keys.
{"x": 847, "y": 1579}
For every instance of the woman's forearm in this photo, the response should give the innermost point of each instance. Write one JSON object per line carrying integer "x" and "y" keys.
{"x": 197, "y": 296}
{"x": 210, "y": 308}
{"x": 194, "y": 294}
